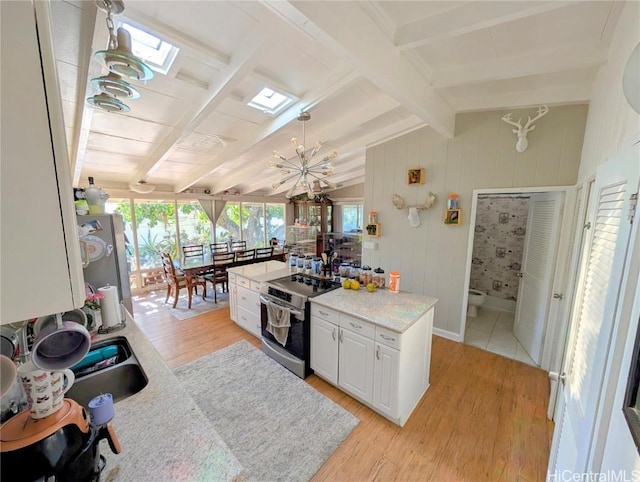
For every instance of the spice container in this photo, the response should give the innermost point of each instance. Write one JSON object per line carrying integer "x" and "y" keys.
{"x": 366, "y": 275}
{"x": 378, "y": 278}
{"x": 316, "y": 265}
{"x": 394, "y": 281}
{"x": 300, "y": 266}
{"x": 307, "y": 265}
{"x": 293, "y": 262}
{"x": 355, "y": 271}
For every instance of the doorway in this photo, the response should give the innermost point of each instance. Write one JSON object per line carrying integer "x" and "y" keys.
{"x": 511, "y": 258}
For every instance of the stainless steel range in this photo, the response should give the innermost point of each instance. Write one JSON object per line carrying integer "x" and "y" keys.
{"x": 285, "y": 319}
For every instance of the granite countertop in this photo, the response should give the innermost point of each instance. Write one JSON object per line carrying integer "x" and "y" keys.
{"x": 262, "y": 271}
{"x": 163, "y": 433}
{"x": 395, "y": 311}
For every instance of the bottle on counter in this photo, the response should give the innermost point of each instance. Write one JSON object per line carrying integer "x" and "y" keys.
{"x": 378, "y": 278}
{"x": 344, "y": 271}
{"x": 394, "y": 281}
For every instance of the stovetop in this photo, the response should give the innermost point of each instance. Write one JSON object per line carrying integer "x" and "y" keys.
{"x": 297, "y": 287}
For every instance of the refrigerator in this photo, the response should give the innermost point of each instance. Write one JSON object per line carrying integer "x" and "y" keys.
{"x": 107, "y": 246}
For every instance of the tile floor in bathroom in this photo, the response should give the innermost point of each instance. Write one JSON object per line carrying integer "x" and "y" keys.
{"x": 492, "y": 330}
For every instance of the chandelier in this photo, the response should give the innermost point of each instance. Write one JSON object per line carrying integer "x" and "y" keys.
{"x": 120, "y": 62}
{"x": 309, "y": 176}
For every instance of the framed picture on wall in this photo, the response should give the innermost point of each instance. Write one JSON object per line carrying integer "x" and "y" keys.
{"x": 415, "y": 176}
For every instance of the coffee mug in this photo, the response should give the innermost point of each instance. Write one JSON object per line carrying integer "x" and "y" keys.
{"x": 44, "y": 389}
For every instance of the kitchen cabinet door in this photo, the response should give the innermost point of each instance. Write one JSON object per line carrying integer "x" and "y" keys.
{"x": 324, "y": 349}
{"x": 233, "y": 302}
{"x": 386, "y": 380}
{"x": 355, "y": 367}
{"x": 41, "y": 269}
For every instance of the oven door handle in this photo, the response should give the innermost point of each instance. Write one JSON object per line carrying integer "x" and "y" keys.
{"x": 266, "y": 301}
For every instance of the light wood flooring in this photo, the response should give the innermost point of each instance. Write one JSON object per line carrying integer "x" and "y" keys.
{"x": 482, "y": 419}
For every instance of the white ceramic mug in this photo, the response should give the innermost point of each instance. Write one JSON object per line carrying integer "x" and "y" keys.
{"x": 44, "y": 389}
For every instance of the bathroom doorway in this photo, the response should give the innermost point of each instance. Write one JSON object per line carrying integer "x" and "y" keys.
{"x": 513, "y": 244}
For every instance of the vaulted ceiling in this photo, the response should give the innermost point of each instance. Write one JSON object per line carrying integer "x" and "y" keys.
{"x": 366, "y": 71}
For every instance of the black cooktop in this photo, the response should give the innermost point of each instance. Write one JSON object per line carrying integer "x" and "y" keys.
{"x": 304, "y": 285}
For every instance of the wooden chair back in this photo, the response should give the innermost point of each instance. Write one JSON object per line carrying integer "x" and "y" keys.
{"x": 237, "y": 245}
{"x": 264, "y": 252}
{"x": 169, "y": 269}
{"x": 218, "y": 248}
{"x": 193, "y": 250}
{"x": 245, "y": 255}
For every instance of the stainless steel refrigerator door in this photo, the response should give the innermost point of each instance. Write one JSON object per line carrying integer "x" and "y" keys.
{"x": 111, "y": 269}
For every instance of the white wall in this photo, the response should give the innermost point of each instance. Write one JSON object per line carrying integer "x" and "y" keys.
{"x": 611, "y": 125}
{"x": 432, "y": 257}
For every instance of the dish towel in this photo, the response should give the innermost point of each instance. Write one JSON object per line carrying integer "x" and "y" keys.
{"x": 278, "y": 322}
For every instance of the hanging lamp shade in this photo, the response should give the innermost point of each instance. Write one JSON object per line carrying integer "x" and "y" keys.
{"x": 113, "y": 84}
{"x": 108, "y": 103}
{"x": 122, "y": 61}
{"x": 631, "y": 80}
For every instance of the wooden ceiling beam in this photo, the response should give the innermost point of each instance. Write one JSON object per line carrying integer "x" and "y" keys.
{"x": 467, "y": 18}
{"x": 342, "y": 28}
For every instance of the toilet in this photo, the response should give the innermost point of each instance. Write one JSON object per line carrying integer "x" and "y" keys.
{"x": 476, "y": 299}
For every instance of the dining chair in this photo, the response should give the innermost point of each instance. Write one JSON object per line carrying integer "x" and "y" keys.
{"x": 218, "y": 274}
{"x": 237, "y": 245}
{"x": 245, "y": 255}
{"x": 176, "y": 280}
{"x": 264, "y": 252}
{"x": 218, "y": 248}
{"x": 192, "y": 250}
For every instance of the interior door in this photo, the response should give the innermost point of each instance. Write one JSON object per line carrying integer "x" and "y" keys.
{"x": 534, "y": 291}
{"x": 592, "y": 319}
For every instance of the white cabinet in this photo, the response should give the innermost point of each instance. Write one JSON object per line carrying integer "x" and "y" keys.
{"x": 324, "y": 349}
{"x": 355, "y": 364}
{"x": 41, "y": 271}
{"x": 244, "y": 303}
{"x": 385, "y": 370}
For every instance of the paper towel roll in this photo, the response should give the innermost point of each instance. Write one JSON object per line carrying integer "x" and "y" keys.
{"x": 110, "y": 306}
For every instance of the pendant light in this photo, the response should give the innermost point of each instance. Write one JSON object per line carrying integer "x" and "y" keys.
{"x": 307, "y": 173}
{"x": 108, "y": 103}
{"x": 113, "y": 85}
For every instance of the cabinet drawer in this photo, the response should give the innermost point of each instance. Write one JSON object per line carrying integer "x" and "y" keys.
{"x": 248, "y": 299}
{"x": 243, "y": 282}
{"x": 255, "y": 286}
{"x": 358, "y": 326}
{"x": 325, "y": 313}
{"x": 388, "y": 337}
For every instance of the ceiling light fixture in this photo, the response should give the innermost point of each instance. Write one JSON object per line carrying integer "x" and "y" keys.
{"x": 306, "y": 173}
{"x": 120, "y": 61}
{"x": 142, "y": 187}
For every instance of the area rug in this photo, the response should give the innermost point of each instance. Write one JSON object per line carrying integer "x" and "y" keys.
{"x": 198, "y": 305}
{"x": 277, "y": 426}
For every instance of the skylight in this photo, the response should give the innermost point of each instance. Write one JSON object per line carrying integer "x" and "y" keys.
{"x": 269, "y": 101}
{"x": 156, "y": 53}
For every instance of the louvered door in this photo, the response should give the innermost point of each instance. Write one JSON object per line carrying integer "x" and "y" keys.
{"x": 538, "y": 264}
{"x": 593, "y": 315}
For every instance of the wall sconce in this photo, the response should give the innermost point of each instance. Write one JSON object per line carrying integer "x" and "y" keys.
{"x": 522, "y": 132}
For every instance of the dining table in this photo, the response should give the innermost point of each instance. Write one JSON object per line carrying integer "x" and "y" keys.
{"x": 194, "y": 265}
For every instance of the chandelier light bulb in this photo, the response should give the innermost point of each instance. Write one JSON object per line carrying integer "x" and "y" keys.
{"x": 330, "y": 156}
{"x": 294, "y": 142}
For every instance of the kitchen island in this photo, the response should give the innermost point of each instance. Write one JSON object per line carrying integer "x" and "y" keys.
{"x": 374, "y": 346}
{"x": 163, "y": 433}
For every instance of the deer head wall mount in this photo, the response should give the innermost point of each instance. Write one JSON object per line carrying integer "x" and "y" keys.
{"x": 414, "y": 219}
{"x": 522, "y": 132}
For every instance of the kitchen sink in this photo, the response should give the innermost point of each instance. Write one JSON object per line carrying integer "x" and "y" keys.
{"x": 119, "y": 374}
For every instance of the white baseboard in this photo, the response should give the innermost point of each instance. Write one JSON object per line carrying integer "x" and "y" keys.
{"x": 499, "y": 304}
{"x": 447, "y": 334}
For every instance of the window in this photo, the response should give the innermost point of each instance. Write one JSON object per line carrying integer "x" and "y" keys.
{"x": 352, "y": 215}
{"x": 269, "y": 101}
{"x": 194, "y": 224}
{"x": 275, "y": 222}
{"x": 228, "y": 224}
{"x": 253, "y": 231}
{"x": 156, "y": 53}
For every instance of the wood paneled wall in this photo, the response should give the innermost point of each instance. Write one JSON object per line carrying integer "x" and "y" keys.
{"x": 432, "y": 257}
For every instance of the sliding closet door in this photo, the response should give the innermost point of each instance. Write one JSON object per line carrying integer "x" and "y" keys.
{"x": 593, "y": 316}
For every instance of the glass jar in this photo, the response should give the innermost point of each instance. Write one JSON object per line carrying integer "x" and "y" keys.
{"x": 293, "y": 261}
{"x": 300, "y": 264}
{"x": 373, "y": 217}
{"x": 366, "y": 275}
{"x": 355, "y": 271}
{"x": 378, "y": 278}
{"x": 316, "y": 266}
{"x": 394, "y": 281}
{"x": 345, "y": 269}
{"x": 307, "y": 264}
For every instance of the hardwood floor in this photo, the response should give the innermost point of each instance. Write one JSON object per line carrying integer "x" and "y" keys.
{"x": 482, "y": 419}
